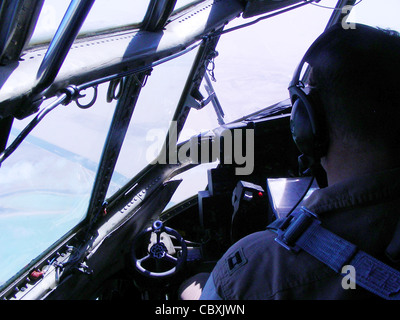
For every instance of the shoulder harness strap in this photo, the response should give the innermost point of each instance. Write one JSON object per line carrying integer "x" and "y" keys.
{"x": 302, "y": 230}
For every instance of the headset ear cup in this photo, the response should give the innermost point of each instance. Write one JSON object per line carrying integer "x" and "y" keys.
{"x": 307, "y": 124}
{"x": 302, "y": 128}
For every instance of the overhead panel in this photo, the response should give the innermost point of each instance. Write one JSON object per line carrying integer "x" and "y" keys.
{"x": 257, "y": 7}
{"x": 110, "y": 54}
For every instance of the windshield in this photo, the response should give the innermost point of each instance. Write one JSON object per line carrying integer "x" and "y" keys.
{"x": 46, "y": 184}
{"x": 255, "y": 74}
{"x": 152, "y": 117}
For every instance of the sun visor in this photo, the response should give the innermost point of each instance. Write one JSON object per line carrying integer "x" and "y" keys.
{"x": 257, "y": 7}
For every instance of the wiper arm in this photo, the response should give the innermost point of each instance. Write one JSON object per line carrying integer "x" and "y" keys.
{"x": 214, "y": 100}
{"x": 197, "y": 101}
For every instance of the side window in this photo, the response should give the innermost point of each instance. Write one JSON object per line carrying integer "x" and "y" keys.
{"x": 376, "y": 15}
{"x": 152, "y": 118}
{"x": 255, "y": 74}
{"x": 45, "y": 185}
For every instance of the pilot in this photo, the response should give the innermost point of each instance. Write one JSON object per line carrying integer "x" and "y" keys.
{"x": 345, "y": 120}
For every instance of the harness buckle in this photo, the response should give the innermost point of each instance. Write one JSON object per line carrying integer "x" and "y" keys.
{"x": 293, "y": 227}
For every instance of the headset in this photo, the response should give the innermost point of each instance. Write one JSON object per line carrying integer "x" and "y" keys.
{"x": 307, "y": 121}
{"x": 307, "y": 124}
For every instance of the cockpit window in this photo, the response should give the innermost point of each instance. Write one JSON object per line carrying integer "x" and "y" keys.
{"x": 104, "y": 15}
{"x": 256, "y": 74}
{"x": 45, "y": 186}
{"x": 152, "y": 118}
{"x": 376, "y": 15}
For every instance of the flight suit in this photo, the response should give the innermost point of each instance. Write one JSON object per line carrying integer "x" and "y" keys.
{"x": 364, "y": 211}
